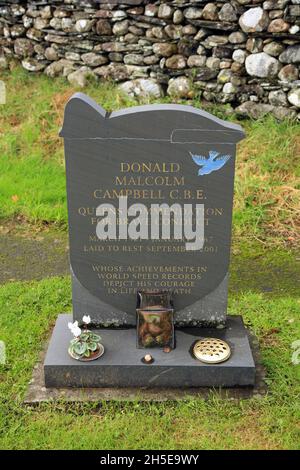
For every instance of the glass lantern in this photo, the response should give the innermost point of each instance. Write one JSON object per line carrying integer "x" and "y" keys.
{"x": 155, "y": 319}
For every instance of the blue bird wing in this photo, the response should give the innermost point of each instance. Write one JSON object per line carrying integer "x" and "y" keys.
{"x": 199, "y": 159}
{"x": 213, "y": 165}
{"x": 220, "y": 161}
{"x": 213, "y": 154}
{"x": 207, "y": 168}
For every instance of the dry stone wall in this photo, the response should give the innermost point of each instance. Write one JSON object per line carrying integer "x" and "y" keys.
{"x": 243, "y": 52}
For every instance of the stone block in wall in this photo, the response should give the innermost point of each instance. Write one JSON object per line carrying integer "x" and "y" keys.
{"x": 231, "y": 50}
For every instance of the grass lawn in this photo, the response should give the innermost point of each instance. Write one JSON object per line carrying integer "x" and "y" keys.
{"x": 266, "y": 238}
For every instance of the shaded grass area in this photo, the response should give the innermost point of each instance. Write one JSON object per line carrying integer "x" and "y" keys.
{"x": 32, "y": 178}
{"x": 270, "y": 422}
{"x": 257, "y": 268}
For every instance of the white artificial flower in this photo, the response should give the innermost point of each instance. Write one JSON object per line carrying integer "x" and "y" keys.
{"x": 72, "y": 325}
{"x": 86, "y": 319}
{"x": 76, "y": 331}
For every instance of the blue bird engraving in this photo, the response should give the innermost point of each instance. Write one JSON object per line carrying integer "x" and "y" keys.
{"x": 213, "y": 163}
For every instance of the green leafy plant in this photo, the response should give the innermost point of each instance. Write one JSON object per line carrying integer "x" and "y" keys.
{"x": 85, "y": 342}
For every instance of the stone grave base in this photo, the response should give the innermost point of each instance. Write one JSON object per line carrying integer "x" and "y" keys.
{"x": 121, "y": 364}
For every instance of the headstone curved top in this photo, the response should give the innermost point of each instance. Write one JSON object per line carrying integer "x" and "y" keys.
{"x": 146, "y": 169}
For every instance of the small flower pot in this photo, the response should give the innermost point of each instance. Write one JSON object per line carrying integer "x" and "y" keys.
{"x": 94, "y": 355}
{"x": 86, "y": 342}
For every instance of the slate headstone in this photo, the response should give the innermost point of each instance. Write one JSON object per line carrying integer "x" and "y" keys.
{"x": 149, "y": 155}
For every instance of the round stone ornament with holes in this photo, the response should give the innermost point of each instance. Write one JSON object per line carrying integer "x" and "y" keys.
{"x": 211, "y": 350}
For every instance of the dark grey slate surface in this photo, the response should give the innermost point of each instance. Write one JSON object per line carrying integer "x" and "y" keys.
{"x": 96, "y": 143}
{"x": 121, "y": 364}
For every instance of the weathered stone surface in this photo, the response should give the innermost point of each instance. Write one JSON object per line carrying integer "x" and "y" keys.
{"x": 17, "y": 10}
{"x": 237, "y": 37}
{"x": 114, "y": 71}
{"x": 192, "y": 13}
{"x": 210, "y": 12}
{"x": 254, "y": 45}
{"x": 33, "y": 65}
{"x": 196, "y": 61}
{"x": 222, "y": 52}
{"x": 189, "y": 30}
{"x": 253, "y": 110}
{"x": 239, "y": 55}
{"x": 281, "y": 113}
{"x": 46, "y": 12}
{"x": 103, "y": 28}
{"x": 23, "y": 47}
{"x": 173, "y": 31}
{"x": 135, "y": 39}
{"x": 83, "y": 25}
{"x": 187, "y": 47}
{"x": 227, "y": 13}
{"x": 165, "y": 11}
{"x": 142, "y": 89}
{"x": 3, "y": 63}
{"x": 56, "y": 23}
{"x": 137, "y": 71}
{"x": 273, "y": 14}
{"x": 118, "y": 15}
{"x": 202, "y": 33}
{"x": 94, "y": 60}
{"x": 56, "y": 39}
{"x": 262, "y": 65}
{"x": 27, "y": 21}
{"x": 176, "y": 61}
{"x": 151, "y": 59}
{"x": 278, "y": 26}
{"x": 178, "y": 17}
{"x": 273, "y": 48}
{"x": 121, "y": 27}
{"x": 40, "y": 23}
{"x": 59, "y": 13}
{"x": 156, "y": 32}
{"x": 151, "y": 10}
{"x": 34, "y": 34}
{"x": 67, "y": 25}
{"x": 294, "y": 29}
{"x": 73, "y": 56}
{"x": 51, "y": 54}
{"x": 133, "y": 59}
{"x": 114, "y": 47}
{"x": 205, "y": 74}
{"x": 54, "y": 69}
{"x": 254, "y": 20}
{"x": 278, "y": 98}
{"x": 80, "y": 77}
{"x": 180, "y": 87}
{"x": 61, "y": 67}
{"x": 291, "y": 55}
{"x": 115, "y": 57}
{"x": 236, "y": 67}
{"x": 164, "y": 49}
{"x": 213, "y": 63}
{"x": 294, "y": 97}
{"x": 224, "y": 76}
{"x": 288, "y": 73}
{"x": 272, "y": 4}
{"x": 229, "y": 88}
{"x": 17, "y": 31}
{"x": 212, "y": 41}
